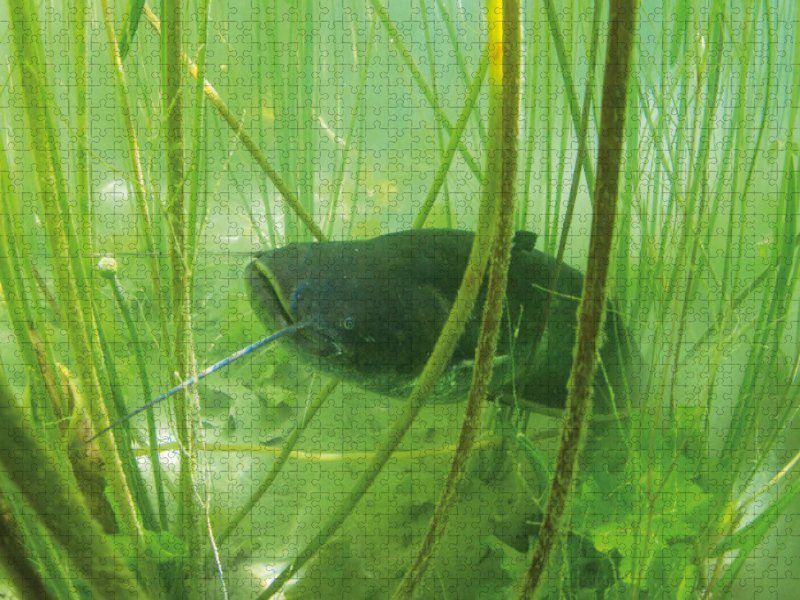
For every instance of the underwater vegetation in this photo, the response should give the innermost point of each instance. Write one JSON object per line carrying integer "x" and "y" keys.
{"x": 524, "y": 277}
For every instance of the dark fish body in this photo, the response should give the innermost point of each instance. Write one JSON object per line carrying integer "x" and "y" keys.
{"x": 373, "y": 310}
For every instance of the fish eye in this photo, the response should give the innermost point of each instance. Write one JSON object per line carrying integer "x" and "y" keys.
{"x": 349, "y": 323}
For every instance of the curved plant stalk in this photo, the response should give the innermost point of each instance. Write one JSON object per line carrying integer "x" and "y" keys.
{"x": 455, "y": 137}
{"x": 305, "y": 95}
{"x": 19, "y": 557}
{"x": 699, "y": 174}
{"x": 452, "y": 34}
{"x": 111, "y": 389}
{"x": 436, "y": 365}
{"x": 553, "y": 210}
{"x": 286, "y": 453}
{"x": 440, "y": 146}
{"x": 38, "y": 366}
{"x": 145, "y": 228}
{"x": 155, "y": 463}
{"x": 32, "y": 468}
{"x": 622, "y": 27}
{"x": 82, "y": 167}
{"x": 362, "y": 87}
{"x": 46, "y": 155}
{"x": 140, "y": 195}
{"x": 771, "y": 324}
{"x": 187, "y": 402}
{"x": 676, "y": 194}
{"x": 139, "y": 190}
{"x": 432, "y": 99}
{"x": 745, "y": 410}
{"x": 264, "y": 69}
{"x": 501, "y": 169}
{"x": 198, "y": 127}
{"x": 36, "y": 546}
{"x": 766, "y": 85}
{"x": 133, "y": 12}
{"x": 529, "y": 115}
{"x": 689, "y": 211}
{"x": 572, "y": 97}
{"x": 747, "y": 538}
{"x": 191, "y": 231}
{"x": 238, "y": 127}
{"x": 359, "y": 171}
{"x": 573, "y": 192}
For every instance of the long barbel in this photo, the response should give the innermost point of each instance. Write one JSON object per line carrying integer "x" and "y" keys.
{"x": 212, "y": 369}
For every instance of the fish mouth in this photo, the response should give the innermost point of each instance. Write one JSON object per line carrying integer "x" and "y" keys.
{"x": 313, "y": 340}
{"x": 268, "y": 296}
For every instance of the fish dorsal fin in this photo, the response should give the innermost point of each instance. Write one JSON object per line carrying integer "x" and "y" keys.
{"x": 525, "y": 241}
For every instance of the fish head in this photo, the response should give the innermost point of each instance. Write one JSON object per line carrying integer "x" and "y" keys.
{"x": 361, "y": 320}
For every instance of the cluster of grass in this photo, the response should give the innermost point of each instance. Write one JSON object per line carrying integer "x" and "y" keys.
{"x": 324, "y": 120}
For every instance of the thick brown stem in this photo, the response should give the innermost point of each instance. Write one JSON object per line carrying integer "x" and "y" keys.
{"x": 622, "y": 27}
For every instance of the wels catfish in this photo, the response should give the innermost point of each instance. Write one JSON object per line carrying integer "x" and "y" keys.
{"x": 370, "y": 312}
